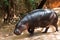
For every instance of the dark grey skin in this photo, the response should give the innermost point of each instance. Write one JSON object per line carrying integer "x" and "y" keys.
{"x": 35, "y": 19}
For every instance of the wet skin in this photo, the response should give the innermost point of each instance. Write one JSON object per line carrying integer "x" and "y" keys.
{"x": 37, "y": 18}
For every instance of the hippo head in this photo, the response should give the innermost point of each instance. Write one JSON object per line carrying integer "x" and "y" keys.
{"x": 19, "y": 28}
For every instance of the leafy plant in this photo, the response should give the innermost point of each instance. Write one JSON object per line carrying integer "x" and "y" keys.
{"x": 32, "y": 2}
{"x": 6, "y": 2}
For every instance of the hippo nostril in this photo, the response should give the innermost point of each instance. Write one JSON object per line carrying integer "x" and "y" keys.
{"x": 17, "y": 32}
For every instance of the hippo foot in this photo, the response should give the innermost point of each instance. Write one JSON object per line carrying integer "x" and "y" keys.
{"x": 44, "y": 32}
{"x": 31, "y": 34}
{"x": 56, "y": 30}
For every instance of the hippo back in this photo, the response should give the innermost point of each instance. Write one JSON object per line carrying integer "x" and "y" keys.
{"x": 38, "y": 14}
{"x": 38, "y": 17}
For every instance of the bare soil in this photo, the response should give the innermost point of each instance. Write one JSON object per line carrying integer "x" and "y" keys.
{"x": 6, "y": 33}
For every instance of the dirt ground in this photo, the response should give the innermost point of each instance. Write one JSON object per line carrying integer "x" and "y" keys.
{"x": 6, "y": 33}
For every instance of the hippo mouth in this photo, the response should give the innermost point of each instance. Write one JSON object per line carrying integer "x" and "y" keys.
{"x": 17, "y": 32}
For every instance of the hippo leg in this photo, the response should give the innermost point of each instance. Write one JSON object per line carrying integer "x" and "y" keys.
{"x": 46, "y": 30}
{"x": 55, "y": 25}
{"x": 31, "y": 30}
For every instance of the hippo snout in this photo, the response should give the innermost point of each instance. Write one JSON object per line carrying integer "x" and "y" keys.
{"x": 17, "y": 32}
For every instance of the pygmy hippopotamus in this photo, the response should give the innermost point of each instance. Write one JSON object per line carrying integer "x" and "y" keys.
{"x": 35, "y": 19}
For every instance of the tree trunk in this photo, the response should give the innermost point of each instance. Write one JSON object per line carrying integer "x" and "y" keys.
{"x": 9, "y": 11}
{"x": 41, "y": 4}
